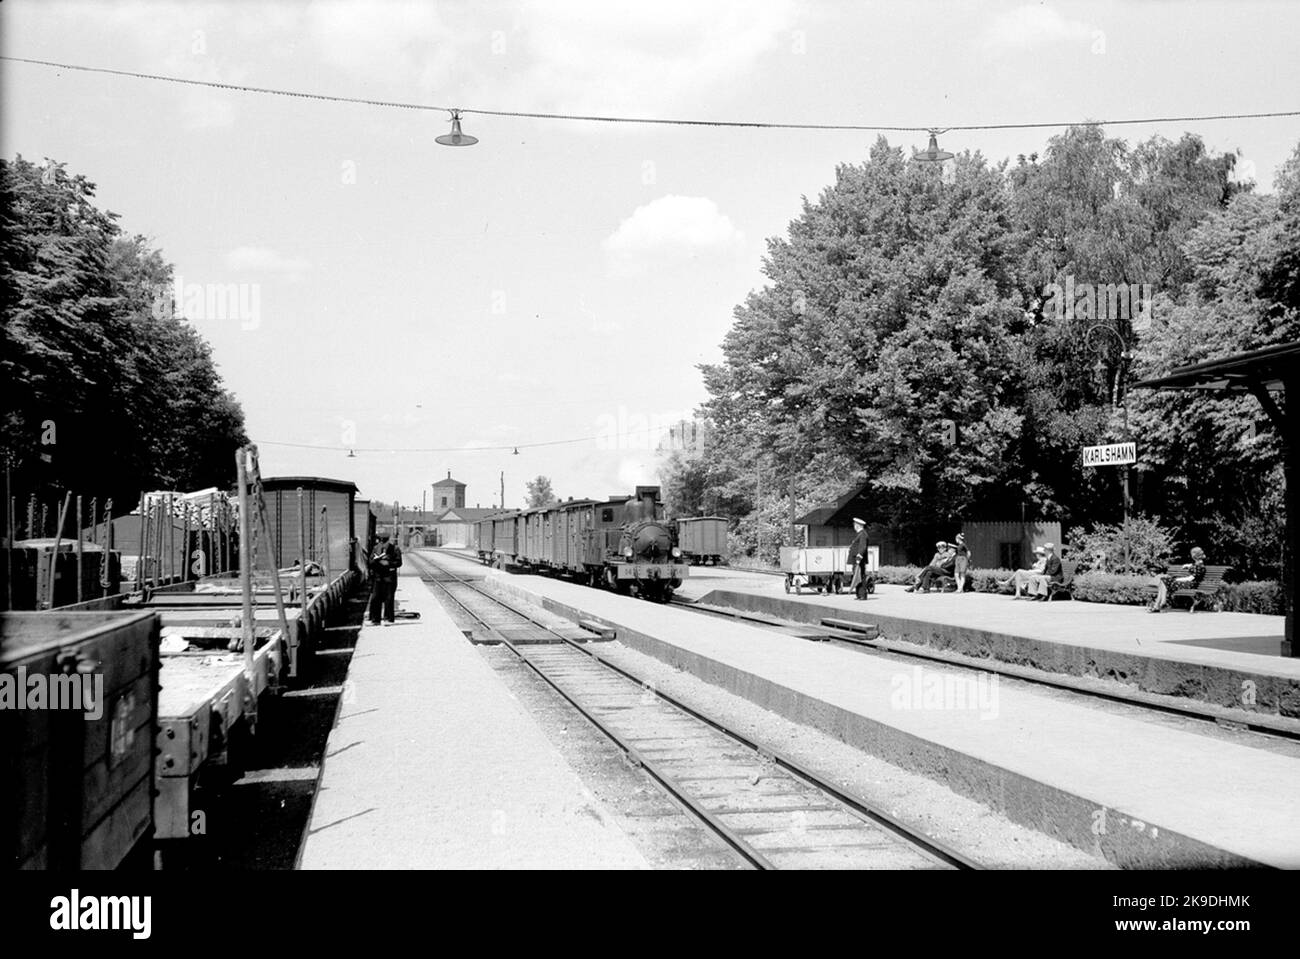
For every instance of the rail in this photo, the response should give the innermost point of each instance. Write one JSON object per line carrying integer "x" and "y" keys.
{"x": 810, "y": 785}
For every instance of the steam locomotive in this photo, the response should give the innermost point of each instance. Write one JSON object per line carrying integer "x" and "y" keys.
{"x": 623, "y": 543}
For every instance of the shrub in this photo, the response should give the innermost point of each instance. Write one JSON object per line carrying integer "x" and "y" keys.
{"x": 1102, "y": 549}
{"x": 1253, "y": 597}
{"x": 1118, "y": 588}
{"x": 977, "y": 580}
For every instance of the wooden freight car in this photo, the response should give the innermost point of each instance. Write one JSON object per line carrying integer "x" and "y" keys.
{"x": 327, "y": 505}
{"x": 703, "y": 539}
{"x": 78, "y": 705}
{"x": 30, "y": 575}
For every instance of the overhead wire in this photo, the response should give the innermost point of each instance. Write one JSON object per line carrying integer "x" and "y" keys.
{"x": 663, "y": 121}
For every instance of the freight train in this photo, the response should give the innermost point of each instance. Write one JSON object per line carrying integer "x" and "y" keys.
{"x": 623, "y": 543}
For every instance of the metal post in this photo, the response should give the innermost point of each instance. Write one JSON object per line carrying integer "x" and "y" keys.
{"x": 245, "y": 571}
{"x": 302, "y": 551}
{"x": 792, "y": 511}
{"x": 94, "y": 519}
{"x": 139, "y": 562}
{"x": 758, "y": 511}
{"x": 80, "y": 549}
{"x": 210, "y": 552}
{"x": 31, "y": 516}
{"x": 171, "y": 538}
{"x": 54, "y": 554}
{"x": 9, "y": 538}
{"x": 106, "y": 559}
{"x": 185, "y": 541}
{"x": 325, "y": 544}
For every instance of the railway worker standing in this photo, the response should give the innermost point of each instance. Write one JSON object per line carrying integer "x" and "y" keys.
{"x": 858, "y": 556}
{"x": 383, "y": 581}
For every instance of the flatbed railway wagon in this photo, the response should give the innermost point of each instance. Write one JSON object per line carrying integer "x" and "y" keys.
{"x": 702, "y": 539}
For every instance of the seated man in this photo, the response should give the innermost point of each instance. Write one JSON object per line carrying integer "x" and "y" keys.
{"x": 1020, "y": 578}
{"x": 1166, "y": 581}
{"x": 941, "y": 564}
{"x": 1052, "y": 573}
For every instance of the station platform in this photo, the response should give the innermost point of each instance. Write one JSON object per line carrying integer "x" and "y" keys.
{"x": 1228, "y": 660}
{"x": 1138, "y": 789}
{"x": 432, "y": 764}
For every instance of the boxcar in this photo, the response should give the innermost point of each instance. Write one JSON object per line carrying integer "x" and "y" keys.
{"x": 335, "y": 497}
{"x": 703, "y": 539}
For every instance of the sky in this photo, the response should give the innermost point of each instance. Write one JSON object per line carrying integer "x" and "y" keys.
{"x": 366, "y": 289}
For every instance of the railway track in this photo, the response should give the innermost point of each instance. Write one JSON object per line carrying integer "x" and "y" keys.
{"x": 769, "y": 810}
{"x": 1262, "y": 725}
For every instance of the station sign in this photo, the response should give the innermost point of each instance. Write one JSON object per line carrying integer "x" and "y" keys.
{"x": 1116, "y": 454}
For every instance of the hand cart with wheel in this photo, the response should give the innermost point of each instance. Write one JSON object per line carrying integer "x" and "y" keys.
{"x": 820, "y": 567}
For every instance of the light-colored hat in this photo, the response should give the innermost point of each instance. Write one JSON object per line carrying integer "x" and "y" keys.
{"x": 860, "y": 520}
{"x": 941, "y": 544}
{"x": 1039, "y": 549}
{"x": 1049, "y": 546}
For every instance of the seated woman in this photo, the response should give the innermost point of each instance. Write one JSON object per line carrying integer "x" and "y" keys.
{"x": 941, "y": 564}
{"x": 1020, "y": 578}
{"x": 1167, "y": 581}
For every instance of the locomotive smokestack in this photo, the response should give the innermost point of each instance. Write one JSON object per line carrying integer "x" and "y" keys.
{"x": 647, "y": 497}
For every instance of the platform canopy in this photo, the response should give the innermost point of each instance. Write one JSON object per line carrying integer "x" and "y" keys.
{"x": 840, "y": 512}
{"x": 1268, "y": 369}
{"x": 1274, "y": 369}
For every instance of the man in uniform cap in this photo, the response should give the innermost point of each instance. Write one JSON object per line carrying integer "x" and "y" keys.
{"x": 858, "y": 556}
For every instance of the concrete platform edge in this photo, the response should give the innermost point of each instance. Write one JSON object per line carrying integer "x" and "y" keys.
{"x": 1213, "y": 685}
{"x": 1111, "y": 833}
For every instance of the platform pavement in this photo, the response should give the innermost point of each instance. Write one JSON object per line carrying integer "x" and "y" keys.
{"x": 1126, "y": 628}
{"x": 432, "y": 764}
{"x": 1141, "y": 793}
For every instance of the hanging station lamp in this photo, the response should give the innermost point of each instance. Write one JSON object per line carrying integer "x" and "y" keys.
{"x": 932, "y": 153}
{"x": 456, "y": 138}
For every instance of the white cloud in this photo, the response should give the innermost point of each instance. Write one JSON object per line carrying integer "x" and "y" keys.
{"x": 1031, "y": 26}
{"x": 674, "y": 224}
{"x": 646, "y": 58}
{"x": 266, "y": 260}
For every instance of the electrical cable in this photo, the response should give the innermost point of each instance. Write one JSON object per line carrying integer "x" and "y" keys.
{"x": 596, "y": 118}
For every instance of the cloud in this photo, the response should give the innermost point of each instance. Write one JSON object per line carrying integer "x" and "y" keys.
{"x": 1030, "y": 27}
{"x": 591, "y": 55}
{"x": 673, "y": 224}
{"x": 265, "y": 260}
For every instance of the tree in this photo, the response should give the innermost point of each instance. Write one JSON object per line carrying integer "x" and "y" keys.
{"x": 540, "y": 492}
{"x": 128, "y": 393}
{"x": 1207, "y": 459}
{"x": 887, "y": 314}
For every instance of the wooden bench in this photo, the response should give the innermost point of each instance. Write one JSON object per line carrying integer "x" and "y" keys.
{"x": 1068, "y": 568}
{"x": 1209, "y": 588}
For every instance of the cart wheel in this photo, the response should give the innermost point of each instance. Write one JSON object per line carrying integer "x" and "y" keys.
{"x": 787, "y": 584}
{"x": 837, "y": 583}
{"x": 798, "y": 589}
